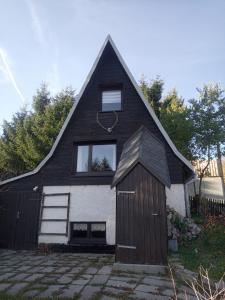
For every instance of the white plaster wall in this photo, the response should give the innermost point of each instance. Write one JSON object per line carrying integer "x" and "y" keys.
{"x": 87, "y": 203}
{"x": 175, "y": 198}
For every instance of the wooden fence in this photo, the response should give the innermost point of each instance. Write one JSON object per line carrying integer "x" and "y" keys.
{"x": 207, "y": 206}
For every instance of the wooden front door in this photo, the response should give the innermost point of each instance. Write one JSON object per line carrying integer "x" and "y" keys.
{"x": 141, "y": 232}
{"x": 19, "y": 215}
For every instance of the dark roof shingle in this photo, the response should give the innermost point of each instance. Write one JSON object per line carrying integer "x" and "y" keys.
{"x": 144, "y": 148}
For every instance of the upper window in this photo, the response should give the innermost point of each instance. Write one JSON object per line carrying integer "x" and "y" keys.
{"x": 111, "y": 100}
{"x": 96, "y": 158}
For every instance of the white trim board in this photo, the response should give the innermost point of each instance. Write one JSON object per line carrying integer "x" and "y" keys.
{"x": 78, "y": 97}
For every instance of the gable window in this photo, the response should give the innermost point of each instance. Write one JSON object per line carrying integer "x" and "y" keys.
{"x": 96, "y": 158}
{"x": 111, "y": 100}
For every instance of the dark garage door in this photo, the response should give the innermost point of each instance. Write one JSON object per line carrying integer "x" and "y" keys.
{"x": 19, "y": 215}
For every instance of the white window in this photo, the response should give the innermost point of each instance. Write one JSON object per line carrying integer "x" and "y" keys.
{"x": 111, "y": 100}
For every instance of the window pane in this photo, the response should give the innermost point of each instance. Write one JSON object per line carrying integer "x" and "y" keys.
{"x": 80, "y": 230}
{"x": 98, "y": 230}
{"x": 111, "y": 100}
{"x": 103, "y": 158}
{"x": 82, "y": 158}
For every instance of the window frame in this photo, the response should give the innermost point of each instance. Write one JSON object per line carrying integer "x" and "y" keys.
{"x": 88, "y": 239}
{"x": 90, "y": 154}
{"x": 107, "y": 88}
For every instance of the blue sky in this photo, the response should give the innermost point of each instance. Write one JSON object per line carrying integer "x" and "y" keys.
{"x": 57, "y": 41}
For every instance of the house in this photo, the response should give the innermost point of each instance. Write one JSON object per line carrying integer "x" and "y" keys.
{"x": 107, "y": 178}
{"x": 212, "y": 182}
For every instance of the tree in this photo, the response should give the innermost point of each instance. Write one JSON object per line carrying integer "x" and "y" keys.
{"x": 174, "y": 116}
{"x": 207, "y": 114}
{"x": 11, "y": 163}
{"x": 29, "y": 137}
{"x": 42, "y": 99}
{"x": 153, "y": 92}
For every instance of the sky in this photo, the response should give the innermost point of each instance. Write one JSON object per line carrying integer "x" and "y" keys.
{"x": 57, "y": 41}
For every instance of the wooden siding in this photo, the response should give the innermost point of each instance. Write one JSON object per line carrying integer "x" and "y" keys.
{"x": 136, "y": 225}
{"x": 83, "y": 127}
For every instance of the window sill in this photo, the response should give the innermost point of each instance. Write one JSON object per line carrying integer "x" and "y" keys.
{"x": 77, "y": 241}
{"x": 110, "y": 111}
{"x": 91, "y": 174}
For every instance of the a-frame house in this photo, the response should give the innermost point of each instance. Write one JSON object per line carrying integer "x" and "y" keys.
{"x": 107, "y": 178}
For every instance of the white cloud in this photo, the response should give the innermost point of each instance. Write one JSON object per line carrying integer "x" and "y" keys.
{"x": 8, "y": 73}
{"x": 48, "y": 42}
{"x": 36, "y": 23}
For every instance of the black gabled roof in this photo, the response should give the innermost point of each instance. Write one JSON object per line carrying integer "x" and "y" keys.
{"x": 144, "y": 148}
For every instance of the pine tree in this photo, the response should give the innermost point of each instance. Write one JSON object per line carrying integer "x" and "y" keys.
{"x": 153, "y": 92}
{"x": 29, "y": 137}
{"x": 174, "y": 116}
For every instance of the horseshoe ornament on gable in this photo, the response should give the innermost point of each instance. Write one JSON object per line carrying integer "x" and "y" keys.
{"x": 108, "y": 129}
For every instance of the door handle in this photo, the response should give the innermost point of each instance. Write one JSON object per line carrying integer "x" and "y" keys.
{"x": 18, "y": 214}
{"x": 155, "y": 214}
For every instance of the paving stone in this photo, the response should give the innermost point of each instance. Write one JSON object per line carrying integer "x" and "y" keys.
{"x": 141, "y": 295}
{"x": 167, "y": 292}
{"x": 99, "y": 279}
{"x": 19, "y": 277}
{"x": 85, "y": 264}
{"x": 120, "y": 284}
{"x": 105, "y": 270}
{"x": 86, "y": 276}
{"x": 34, "y": 277}
{"x": 39, "y": 286}
{"x": 65, "y": 279}
{"x": 126, "y": 279}
{"x": 31, "y": 293}
{"x": 147, "y": 288}
{"x": 157, "y": 282}
{"x": 108, "y": 298}
{"x": 51, "y": 290}
{"x": 75, "y": 270}
{"x": 48, "y": 270}
{"x": 6, "y": 276}
{"x": 4, "y": 286}
{"x": 16, "y": 288}
{"x": 186, "y": 289}
{"x": 62, "y": 269}
{"x": 182, "y": 296}
{"x": 70, "y": 291}
{"x": 49, "y": 279}
{"x": 91, "y": 270}
{"x": 114, "y": 291}
{"x": 80, "y": 281}
{"x": 48, "y": 263}
{"x": 146, "y": 296}
{"x": 89, "y": 292}
{"x": 36, "y": 270}
{"x": 4, "y": 269}
{"x": 24, "y": 268}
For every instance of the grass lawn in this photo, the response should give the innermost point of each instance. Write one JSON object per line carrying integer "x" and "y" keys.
{"x": 208, "y": 249}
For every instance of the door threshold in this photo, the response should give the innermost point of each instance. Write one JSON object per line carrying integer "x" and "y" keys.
{"x": 138, "y": 268}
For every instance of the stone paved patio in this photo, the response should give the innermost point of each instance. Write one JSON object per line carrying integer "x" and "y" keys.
{"x": 78, "y": 276}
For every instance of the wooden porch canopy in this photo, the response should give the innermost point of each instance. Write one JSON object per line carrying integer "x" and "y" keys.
{"x": 144, "y": 148}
